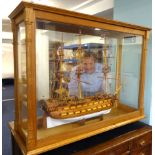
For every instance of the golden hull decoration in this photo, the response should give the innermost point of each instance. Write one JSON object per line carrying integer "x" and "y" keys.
{"x": 70, "y": 109}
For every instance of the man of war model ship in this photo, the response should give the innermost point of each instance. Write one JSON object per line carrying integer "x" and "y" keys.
{"x": 85, "y": 95}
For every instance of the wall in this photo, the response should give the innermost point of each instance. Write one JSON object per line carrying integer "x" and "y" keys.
{"x": 139, "y": 12}
{"x": 7, "y": 61}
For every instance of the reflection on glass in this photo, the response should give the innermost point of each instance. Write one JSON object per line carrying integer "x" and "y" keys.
{"x": 22, "y": 75}
{"x": 77, "y": 71}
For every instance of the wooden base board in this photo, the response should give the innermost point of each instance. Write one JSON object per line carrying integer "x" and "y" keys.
{"x": 48, "y": 139}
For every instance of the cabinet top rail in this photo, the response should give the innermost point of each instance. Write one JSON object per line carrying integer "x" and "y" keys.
{"x": 63, "y": 12}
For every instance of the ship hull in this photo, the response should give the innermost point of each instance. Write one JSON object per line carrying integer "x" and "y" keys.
{"x": 52, "y": 122}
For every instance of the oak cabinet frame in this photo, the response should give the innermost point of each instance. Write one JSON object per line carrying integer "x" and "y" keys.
{"x": 29, "y": 13}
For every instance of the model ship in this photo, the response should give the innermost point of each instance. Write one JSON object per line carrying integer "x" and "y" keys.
{"x": 64, "y": 106}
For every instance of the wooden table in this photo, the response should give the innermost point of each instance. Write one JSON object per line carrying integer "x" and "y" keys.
{"x": 132, "y": 139}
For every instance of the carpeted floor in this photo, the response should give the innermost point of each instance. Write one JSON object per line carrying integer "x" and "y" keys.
{"x": 7, "y": 115}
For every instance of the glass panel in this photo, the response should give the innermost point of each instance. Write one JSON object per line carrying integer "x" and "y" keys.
{"x": 130, "y": 70}
{"x": 22, "y": 76}
{"x": 83, "y": 73}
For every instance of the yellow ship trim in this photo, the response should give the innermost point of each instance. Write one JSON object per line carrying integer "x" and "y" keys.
{"x": 77, "y": 112}
{"x": 73, "y": 107}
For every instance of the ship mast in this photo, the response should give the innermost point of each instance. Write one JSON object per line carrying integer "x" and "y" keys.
{"x": 105, "y": 63}
{"x": 60, "y": 53}
{"x": 79, "y": 55}
{"x": 118, "y": 67}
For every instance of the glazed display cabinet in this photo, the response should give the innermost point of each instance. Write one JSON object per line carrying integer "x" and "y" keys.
{"x": 76, "y": 76}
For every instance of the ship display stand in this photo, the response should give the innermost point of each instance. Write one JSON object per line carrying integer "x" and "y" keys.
{"x": 76, "y": 76}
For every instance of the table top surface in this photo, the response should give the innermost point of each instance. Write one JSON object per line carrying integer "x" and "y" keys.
{"x": 96, "y": 140}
